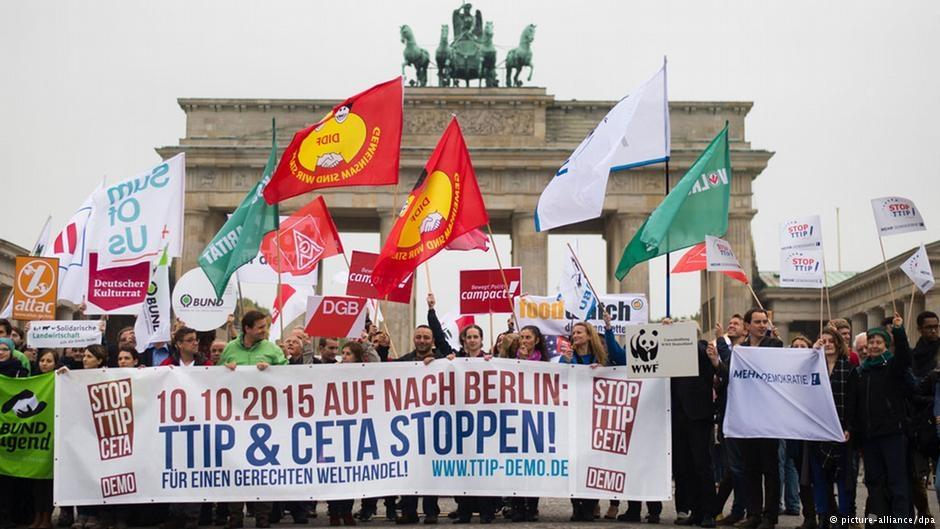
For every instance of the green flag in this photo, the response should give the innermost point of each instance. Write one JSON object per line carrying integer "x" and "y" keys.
{"x": 26, "y": 426}
{"x": 240, "y": 238}
{"x": 697, "y": 206}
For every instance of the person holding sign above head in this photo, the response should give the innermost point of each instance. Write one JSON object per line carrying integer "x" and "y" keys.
{"x": 880, "y": 419}
{"x": 471, "y": 336}
{"x": 252, "y": 348}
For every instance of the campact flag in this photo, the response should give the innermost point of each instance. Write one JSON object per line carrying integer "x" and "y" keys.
{"x": 694, "y": 260}
{"x": 71, "y": 247}
{"x": 303, "y": 239}
{"x": 240, "y": 237}
{"x": 444, "y": 204}
{"x": 356, "y": 144}
{"x": 894, "y": 215}
{"x": 153, "y": 322}
{"x": 697, "y": 206}
{"x": 472, "y": 240}
{"x": 578, "y": 296}
{"x": 917, "y": 268}
{"x": 634, "y": 133}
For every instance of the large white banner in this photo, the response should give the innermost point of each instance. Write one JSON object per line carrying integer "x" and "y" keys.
{"x": 549, "y": 315}
{"x": 453, "y": 428}
{"x": 63, "y": 333}
{"x": 780, "y": 393}
{"x": 894, "y": 215}
{"x": 137, "y": 218}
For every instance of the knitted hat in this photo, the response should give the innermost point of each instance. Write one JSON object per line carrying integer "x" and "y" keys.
{"x": 879, "y": 331}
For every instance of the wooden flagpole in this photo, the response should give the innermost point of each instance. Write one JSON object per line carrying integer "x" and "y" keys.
{"x": 709, "y": 322}
{"x": 427, "y": 275}
{"x": 821, "y": 296}
{"x": 884, "y": 260}
{"x": 502, "y": 272}
{"x": 277, "y": 239}
{"x": 910, "y": 310}
{"x": 719, "y": 301}
{"x": 826, "y": 288}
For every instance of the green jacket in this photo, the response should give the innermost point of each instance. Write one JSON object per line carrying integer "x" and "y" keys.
{"x": 23, "y": 360}
{"x": 263, "y": 351}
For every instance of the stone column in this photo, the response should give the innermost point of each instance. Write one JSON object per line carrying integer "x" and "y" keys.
{"x": 783, "y": 330}
{"x": 736, "y": 296}
{"x": 530, "y": 251}
{"x": 399, "y": 317}
{"x": 619, "y": 228}
{"x": 859, "y": 324}
{"x": 874, "y": 315}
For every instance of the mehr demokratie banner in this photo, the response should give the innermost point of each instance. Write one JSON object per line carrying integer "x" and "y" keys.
{"x": 462, "y": 427}
{"x": 26, "y": 426}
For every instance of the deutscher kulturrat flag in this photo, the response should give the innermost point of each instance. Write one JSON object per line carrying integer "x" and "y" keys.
{"x": 444, "y": 204}
{"x": 355, "y": 144}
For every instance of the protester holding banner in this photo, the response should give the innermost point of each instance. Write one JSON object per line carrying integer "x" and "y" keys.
{"x": 830, "y": 462}
{"x": 127, "y": 357}
{"x": 186, "y": 349}
{"x": 471, "y": 336}
{"x": 880, "y": 420}
{"x": 6, "y": 331}
{"x": 733, "y": 477}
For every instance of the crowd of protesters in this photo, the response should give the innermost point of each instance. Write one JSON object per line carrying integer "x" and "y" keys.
{"x": 886, "y": 394}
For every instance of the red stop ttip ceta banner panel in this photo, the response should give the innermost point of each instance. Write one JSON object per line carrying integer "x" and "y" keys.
{"x": 484, "y": 291}
{"x": 335, "y": 316}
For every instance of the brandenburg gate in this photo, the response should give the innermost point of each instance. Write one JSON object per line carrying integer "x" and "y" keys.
{"x": 518, "y": 138}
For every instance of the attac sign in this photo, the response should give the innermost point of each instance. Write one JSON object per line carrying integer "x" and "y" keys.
{"x": 35, "y": 288}
{"x": 335, "y": 316}
{"x": 360, "y": 280}
{"x": 484, "y": 291}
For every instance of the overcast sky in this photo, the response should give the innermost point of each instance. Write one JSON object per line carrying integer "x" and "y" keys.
{"x": 845, "y": 93}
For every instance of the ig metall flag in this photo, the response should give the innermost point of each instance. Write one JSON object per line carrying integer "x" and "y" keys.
{"x": 633, "y": 134}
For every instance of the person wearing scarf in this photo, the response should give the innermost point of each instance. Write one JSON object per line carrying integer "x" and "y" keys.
{"x": 880, "y": 419}
{"x": 830, "y": 461}
{"x": 10, "y": 366}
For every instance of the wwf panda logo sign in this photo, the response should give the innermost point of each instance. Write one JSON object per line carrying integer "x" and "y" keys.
{"x": 661, "y": 351}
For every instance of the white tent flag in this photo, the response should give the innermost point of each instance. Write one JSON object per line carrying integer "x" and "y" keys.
{"x": 719, "y": 257}
{"x": 894, "y": 215}
{"x": 780, "y": 393}
{"x": 803, "y": 232}
{"x": 71, "y": 247}
{"x": 578, "y": 297}
{"x": 801, "y": 268}
{"x": 137, "y": 218}
{"x": 153, "y": 322}
{"x": 634, "y": 133}
{"x": 917, "y": 268}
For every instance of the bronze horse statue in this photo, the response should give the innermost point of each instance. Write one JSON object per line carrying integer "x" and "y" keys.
{"x": 442, "y": 57}
{"x": 414, "y": 56}
{"x": 519, "y": 57}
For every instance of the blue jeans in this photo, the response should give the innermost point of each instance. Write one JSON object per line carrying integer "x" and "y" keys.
{"x": 734, "y": 459}
{"x": 789, "y": 480}
{"x": 822, "y": 484}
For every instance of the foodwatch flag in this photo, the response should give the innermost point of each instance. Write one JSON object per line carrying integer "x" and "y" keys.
{"x": 444, "y": 204}
{"x": 697, "y": 206}
{"x": 306, "y": 237}
{"x": 355, "y": 144}
{"x": 240, "y": 237}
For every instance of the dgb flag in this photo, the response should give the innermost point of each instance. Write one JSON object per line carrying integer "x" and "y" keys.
{"x": 357, "y": 143}
{"x": 444, "y": 204}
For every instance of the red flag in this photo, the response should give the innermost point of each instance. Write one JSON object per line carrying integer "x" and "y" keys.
{"x": 472, "y": 240}
{"x": 694, "y": 261}
{"x": 306, "y": 237}
{"x": 355, "y": 144}
{"x": 464, "y": 321}
{"x": 444, "y": 204}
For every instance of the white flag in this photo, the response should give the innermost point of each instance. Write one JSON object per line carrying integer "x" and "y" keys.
{"x": 634, "y": 133}
{"x": 137, "y": 218}
{"x": 779, "y": 393}
{"x": 803, "y": 232}
{"x": 293, "y": 307}
{"x": 801, "y": 268}
{"x": 719, "y": 257}
{"x": 153, "y": 322}
{"x": 71, "y": 247}
{"x": 894, "y": 215}
{"x": 578, "y": 297}
{"x": 917, "y": 268}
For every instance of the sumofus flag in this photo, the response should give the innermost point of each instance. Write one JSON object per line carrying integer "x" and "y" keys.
{"x": 634, "y": 133}
{"x": 357, "y": 143}
{"x": 240, "y": 238}
{"x": 153, "y": 322}
{"x": 444, "y": 204}
{"x": 697, "y": 206}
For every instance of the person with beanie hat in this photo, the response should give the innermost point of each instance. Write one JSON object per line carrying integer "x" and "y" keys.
{"x": 880, "y": 419}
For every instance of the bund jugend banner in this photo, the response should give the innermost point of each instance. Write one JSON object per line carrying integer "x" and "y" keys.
{"x": 322, "y": 432}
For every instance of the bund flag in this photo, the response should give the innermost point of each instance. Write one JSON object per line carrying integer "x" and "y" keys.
{"x": 444, "y": 204}
{"x": 355, "y": 144}
{"x": 306, "y": 237}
